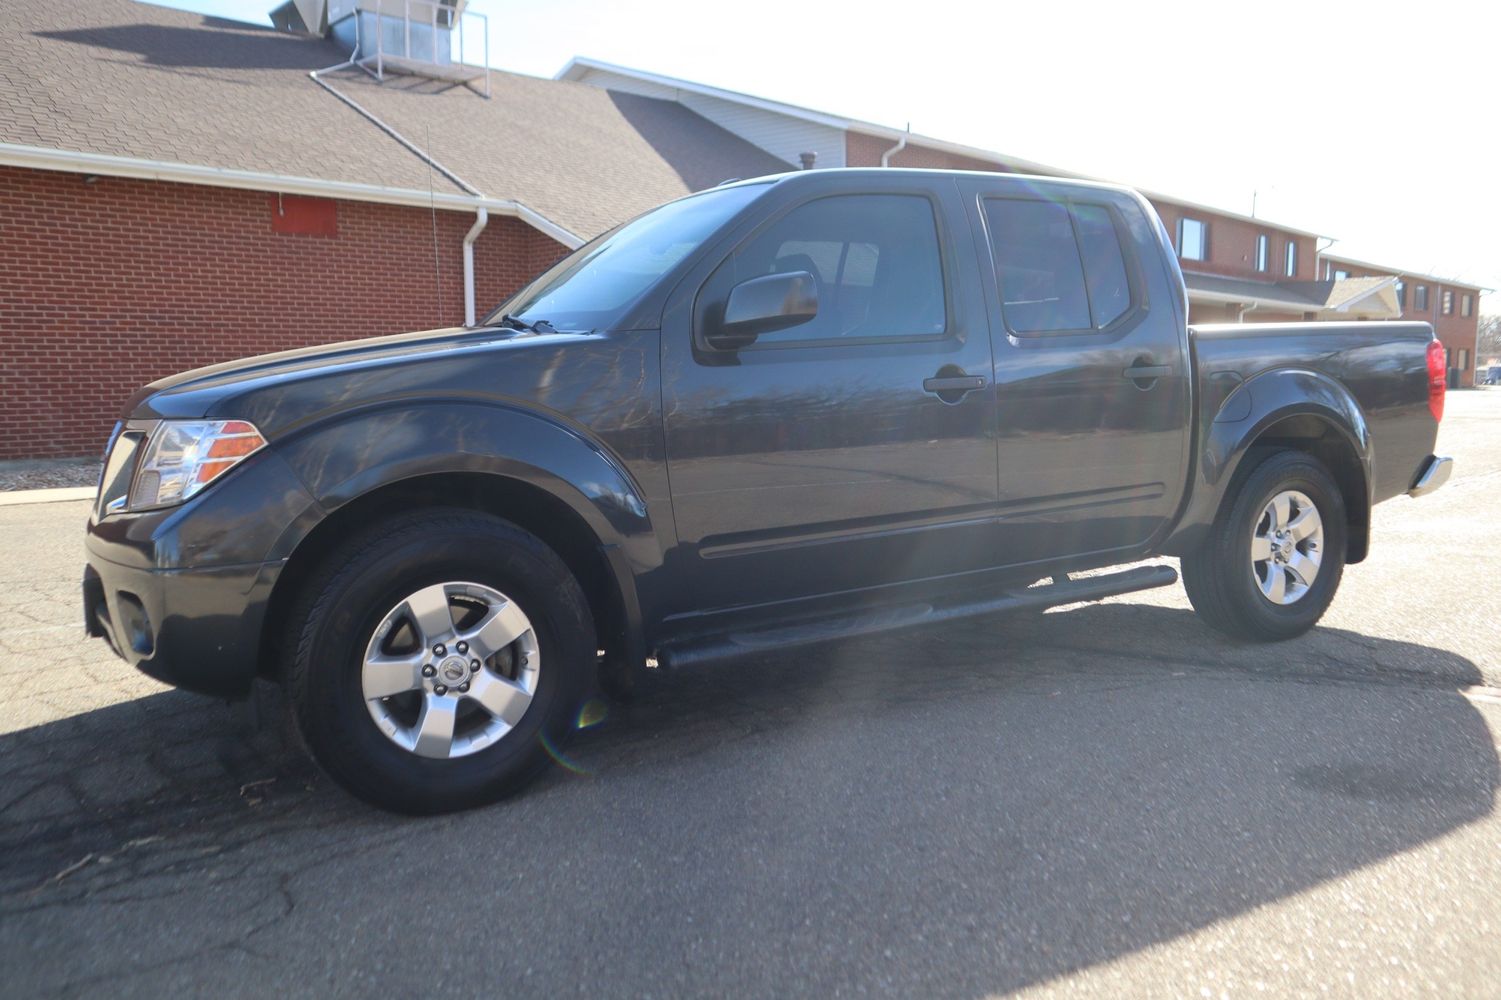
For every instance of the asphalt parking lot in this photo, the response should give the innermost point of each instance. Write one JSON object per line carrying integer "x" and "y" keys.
{"x": 1106, "y": 800}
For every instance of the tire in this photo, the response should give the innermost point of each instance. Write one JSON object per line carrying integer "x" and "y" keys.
{"x": 478, "y": 570}
{"x": 1260, "y": 600}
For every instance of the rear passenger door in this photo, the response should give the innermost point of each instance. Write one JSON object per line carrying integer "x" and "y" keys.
{"x": 1091, "y": 374}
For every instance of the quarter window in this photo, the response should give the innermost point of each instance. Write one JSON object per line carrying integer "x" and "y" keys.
{"x": 1058, "y": 269}
{"x": 1290, "y": 260}
{"x": 1263, "y": 252}
{"x": 1193, "y": 239}
{"x": 874, "y": 258}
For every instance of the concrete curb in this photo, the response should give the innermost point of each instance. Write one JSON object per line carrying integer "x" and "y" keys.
{"x": 15, "y": 498}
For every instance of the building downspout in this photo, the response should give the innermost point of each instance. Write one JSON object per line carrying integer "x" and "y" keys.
{"x": 1241, "y": 318}
{"x": 481, "y": 218}
{"x": 900, "y": 145}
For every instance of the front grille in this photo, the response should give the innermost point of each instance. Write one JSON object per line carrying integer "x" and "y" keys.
{"x": 114, "y": 484}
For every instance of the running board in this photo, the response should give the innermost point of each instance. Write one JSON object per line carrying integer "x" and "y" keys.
{"x": 693, "y": 650}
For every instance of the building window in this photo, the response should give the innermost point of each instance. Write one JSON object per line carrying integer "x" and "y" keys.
{"x": 1290, "y": 260}
{"x": 1420, "y": 298}
{"x": 1464, "y": 360}
{"x": 1401, "y": 294}
{"x": 1193, "y": 239}
{"x": 1447, "y": 298}
{"x": 1341, "y": 275}
{"x": 1263, "y": 252}
{"x": 1467, "y": 306}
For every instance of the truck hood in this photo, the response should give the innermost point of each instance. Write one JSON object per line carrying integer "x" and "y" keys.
{"x": 276, "y": 391}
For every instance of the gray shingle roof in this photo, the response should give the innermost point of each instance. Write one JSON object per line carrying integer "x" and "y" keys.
{"x": 129, "y": 79}
{"x": 584, "y": 157}
{"x": 121, "y": 78}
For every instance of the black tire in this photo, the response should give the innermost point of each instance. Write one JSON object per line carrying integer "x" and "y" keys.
{"x": 1219, "y": 576}
{"x": 341, "y": 606}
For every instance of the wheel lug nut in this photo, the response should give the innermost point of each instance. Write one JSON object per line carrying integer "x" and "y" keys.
{"x": 440, "y": 650}
{"x": 464, "y": 688}
{"x": 473, "y": 664}
{"x": 462, "y": 648}
{"x": 440, "y": 689}
{"x": 429, "y": 670}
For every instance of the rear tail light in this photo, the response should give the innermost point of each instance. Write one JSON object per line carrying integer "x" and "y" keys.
{"x": 1436, "y": 380}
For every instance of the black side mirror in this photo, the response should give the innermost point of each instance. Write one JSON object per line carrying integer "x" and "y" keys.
{"x": 763, "y": 305}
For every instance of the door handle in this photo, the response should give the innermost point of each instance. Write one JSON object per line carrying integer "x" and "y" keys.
{"x": 1140, "y": 373}
{"x": 959, "y": 384}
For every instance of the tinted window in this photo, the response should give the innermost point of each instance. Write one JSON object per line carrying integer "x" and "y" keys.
{"x": 1057, "y": 274}
{"x": 1104, "y": 265}
{"x": 1037, "y": 266}
{"x": 874, "y": 257}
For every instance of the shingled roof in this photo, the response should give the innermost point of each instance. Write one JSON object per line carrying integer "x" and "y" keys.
{"x": 118, "y": 78}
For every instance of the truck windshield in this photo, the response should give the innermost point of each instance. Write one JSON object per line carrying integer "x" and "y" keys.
{"x": 593, "y": 287}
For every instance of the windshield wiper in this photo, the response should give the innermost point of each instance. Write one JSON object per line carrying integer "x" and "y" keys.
{"x": 535, "y": 326}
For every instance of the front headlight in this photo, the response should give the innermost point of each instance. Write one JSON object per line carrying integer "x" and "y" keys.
{"x": 184, "y": 456}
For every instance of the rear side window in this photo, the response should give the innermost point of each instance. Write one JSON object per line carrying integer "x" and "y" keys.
{"x": 875, "y": 258}
{"x": 1059, "y": 268}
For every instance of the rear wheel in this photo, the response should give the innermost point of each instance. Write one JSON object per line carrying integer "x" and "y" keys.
{"x": 437, "y": 660}
{"x": 1275, "y": 554}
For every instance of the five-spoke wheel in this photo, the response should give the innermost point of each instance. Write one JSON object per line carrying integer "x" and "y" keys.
{"x": 451, "y": 669}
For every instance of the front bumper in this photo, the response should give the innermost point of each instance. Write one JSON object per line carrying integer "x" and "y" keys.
{"x": 195, "y": 629}
{"x": 1434, "y": 473}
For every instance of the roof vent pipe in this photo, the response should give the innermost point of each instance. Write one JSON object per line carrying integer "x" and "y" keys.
{"x": 807, "y": 159}
{"x": 900, "y": 145}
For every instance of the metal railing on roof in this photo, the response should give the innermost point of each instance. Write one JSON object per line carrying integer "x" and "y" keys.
{"x": 432, "y": 55}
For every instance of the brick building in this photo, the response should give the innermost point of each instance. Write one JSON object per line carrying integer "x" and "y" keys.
{"x": 178, "y": 190}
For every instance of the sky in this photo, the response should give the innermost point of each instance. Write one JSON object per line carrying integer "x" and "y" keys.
{"x": 1374, "y": 124}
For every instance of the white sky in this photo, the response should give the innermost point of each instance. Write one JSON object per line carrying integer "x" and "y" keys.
{"x": 1374, "y": 124}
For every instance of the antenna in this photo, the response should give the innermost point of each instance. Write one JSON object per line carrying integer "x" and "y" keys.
{"x": 432, "y": 201}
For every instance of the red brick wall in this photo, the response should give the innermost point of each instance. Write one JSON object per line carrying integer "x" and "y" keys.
{"x": 862, "y": 150}
{"x": 105, "y": 286}
{"x": 1232, "y": 245}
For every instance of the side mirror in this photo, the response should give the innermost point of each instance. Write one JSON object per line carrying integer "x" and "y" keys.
{"x": 763, "y": 305}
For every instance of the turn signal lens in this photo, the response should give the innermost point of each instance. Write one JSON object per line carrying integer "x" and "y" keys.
{"x": 1436, "y": 380}
{"x": 184, "y": 456}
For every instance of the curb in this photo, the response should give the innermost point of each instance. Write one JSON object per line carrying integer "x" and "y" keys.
{"x": 15, "y": 498}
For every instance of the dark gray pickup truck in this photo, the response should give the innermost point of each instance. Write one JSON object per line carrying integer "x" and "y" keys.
{"x": 781, "y": 411}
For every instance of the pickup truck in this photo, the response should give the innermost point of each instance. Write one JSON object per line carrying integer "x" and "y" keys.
{"x": 778, "y": 412}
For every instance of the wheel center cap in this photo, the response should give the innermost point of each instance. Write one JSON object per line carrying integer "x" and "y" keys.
{"x": 453, "y": 671}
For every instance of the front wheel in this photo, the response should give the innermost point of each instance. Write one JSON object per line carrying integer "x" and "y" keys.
{"x": 438, "y": 660}
{"x": 1273, "y": 558}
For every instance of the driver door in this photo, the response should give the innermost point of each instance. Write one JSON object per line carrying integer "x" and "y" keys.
{"x": 824, "y": 458}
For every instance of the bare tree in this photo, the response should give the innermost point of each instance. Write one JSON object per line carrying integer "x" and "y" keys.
{"x": 1489, "y": 343}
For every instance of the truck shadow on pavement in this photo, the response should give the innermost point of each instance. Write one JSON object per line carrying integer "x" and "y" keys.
{"x": 963, "y": 810}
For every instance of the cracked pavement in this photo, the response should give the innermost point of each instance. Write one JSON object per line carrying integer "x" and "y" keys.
{"x": 1103, "y": 800}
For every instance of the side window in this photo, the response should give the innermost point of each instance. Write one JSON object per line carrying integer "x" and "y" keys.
{"x": 1058, "y": 270}
{"x": 874, "y": 257}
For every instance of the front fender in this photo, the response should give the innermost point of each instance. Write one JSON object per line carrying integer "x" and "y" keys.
{"x": 1245, "y": 418}
{"x": 346, "y": 457}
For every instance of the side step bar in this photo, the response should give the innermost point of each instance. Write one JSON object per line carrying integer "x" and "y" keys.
{"x": 693, "y": 650}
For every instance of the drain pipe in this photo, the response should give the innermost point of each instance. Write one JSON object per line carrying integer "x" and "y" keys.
{"x": 1244, "y": 308}
{"x": 481, "y": 218}
{"x": 901, "y": 145}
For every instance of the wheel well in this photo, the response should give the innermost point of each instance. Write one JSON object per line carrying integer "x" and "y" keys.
{"x": 527, "y": 506}
{"x": 1319, "y": 437}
